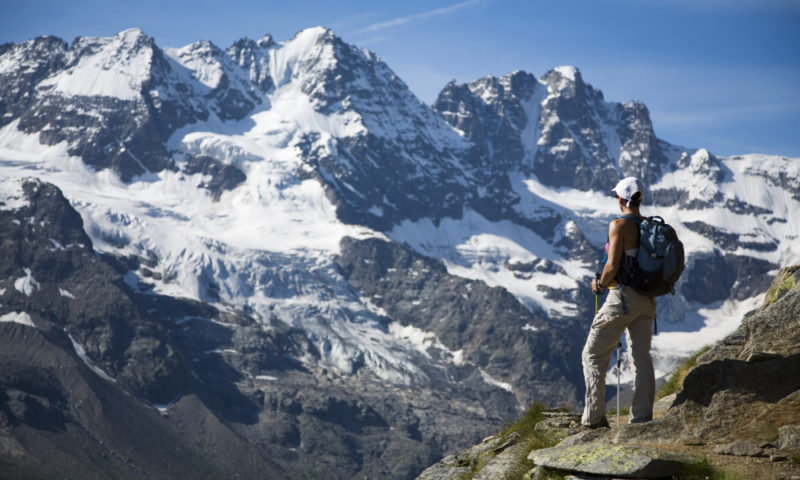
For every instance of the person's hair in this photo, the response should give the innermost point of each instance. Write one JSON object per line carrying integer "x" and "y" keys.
{"x": 636, "y": 199}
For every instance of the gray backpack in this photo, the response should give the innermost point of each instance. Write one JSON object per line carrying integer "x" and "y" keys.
{"x": 659, "y": 262}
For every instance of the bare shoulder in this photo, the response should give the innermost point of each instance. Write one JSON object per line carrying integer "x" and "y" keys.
{"x": 618, "y": 225}
{"x": 623, "y": 228}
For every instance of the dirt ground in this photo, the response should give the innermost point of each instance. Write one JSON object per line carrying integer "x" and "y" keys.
{"x": 745, "y": 468}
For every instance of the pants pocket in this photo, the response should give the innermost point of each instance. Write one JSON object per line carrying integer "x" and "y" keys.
{"x": 612, "y": 309}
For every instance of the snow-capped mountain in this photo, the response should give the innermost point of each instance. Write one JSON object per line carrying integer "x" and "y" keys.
{"x": 297, "y": 233}
{"x": 558, "y": 145}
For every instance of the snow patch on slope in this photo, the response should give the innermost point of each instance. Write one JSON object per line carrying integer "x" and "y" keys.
{"x": 11, "y": 195}
{"x": 532, "y": 132}
{"x": 423, "y": 341}
{"x": 476, "y": 248}
{"x": 26, "y": 285}
{"x": 23, "y": 318}
{"x": 750, "y": 180}
{"x": 88, "y": 361}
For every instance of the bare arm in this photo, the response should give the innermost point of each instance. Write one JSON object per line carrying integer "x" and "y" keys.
{"x": 615, "y": 252}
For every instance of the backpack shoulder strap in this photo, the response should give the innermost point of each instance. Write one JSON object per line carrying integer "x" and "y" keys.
{"x": 638, "y": 221}
{"x": 631, "y": 218}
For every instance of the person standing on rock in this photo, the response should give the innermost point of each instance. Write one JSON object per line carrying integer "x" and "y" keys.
{"x": 624, "y": 310}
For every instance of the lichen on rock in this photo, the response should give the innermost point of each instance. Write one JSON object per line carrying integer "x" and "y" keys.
{"x": 607, "y": 459}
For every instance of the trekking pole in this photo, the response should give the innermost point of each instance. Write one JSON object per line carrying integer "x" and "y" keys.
{"x": 619, "y": 366}
{"x": 597, "y": 295}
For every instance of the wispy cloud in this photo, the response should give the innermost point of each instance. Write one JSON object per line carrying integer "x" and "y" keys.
{"x": 396, "y": 22}
{"x": 374, "y": 40}
{"x": 352, "y": 21}
{"x": 730, "y": 5}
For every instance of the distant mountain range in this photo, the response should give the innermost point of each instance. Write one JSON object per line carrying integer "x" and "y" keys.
{"x": 275, "y": 261}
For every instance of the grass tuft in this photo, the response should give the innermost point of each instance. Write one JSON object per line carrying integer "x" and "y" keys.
{"x": 526, "y": 423}
{"x": 623, "y": 410}
{"x": 779, "y": 287}
{"x": 675, "y": 381}
{"x": 530, "y": 437}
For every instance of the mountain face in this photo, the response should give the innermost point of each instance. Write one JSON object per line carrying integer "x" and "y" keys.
{"x": 284, "y": 258}
{"x": 142, "y": 385}
{"x": 557, "y": 128}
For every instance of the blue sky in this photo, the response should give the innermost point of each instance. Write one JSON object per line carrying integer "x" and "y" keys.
{"x": 720, "y": 74}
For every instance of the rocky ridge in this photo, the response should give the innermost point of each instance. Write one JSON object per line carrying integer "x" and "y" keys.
{"x": 741, "y": 400}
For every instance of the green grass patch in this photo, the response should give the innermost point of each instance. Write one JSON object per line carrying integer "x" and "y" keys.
{"x": 531, "y": 437}
{"x": 532, "y": 434}
{"x": 779, "y": 287}
{"x": 704, "y": 470}
{"x": 526, "y": 424}
{"x": 622, "y": 411}
{"x": 675, "y": 381}
{"x": 796, "y": 458}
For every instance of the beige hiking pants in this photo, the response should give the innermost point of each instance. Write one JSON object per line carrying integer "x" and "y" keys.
{"x": 624, "y": 309}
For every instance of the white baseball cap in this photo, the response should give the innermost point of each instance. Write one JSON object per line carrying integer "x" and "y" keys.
{"x": 627, "y": 187}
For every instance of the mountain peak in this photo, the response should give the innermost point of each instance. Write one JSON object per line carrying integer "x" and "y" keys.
{"x": 131, "y": 34}
{"x": 132, "y": 39}
{"x": 569, "y": 72}
{"x": 115, "y": 66}
{"x": 313, "y": 35}
{"x": 565, "y": 80}
{"x": 266, "y": 41}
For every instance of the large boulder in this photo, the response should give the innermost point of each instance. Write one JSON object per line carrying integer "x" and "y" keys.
{"x": 599, "y": 458}
{"x": 789, "y": 437}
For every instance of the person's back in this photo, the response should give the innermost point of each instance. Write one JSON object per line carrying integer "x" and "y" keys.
{"x": 625, "y": 310}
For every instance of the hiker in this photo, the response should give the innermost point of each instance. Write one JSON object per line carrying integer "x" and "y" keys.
{"x": 624, "y": 310}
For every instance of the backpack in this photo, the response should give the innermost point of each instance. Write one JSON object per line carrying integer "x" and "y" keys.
{"x": 659, "y": 261}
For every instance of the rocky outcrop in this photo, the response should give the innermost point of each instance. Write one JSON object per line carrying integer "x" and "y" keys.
{"x": 789, "y": 437}
{"x": 742, "y": 396}
{"x": 598, "y": 458}
{"x": 747, "y": 386}
{"x": 518, "y": 454}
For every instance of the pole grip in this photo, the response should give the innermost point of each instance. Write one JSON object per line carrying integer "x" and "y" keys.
{"x": 597, "y": 295}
